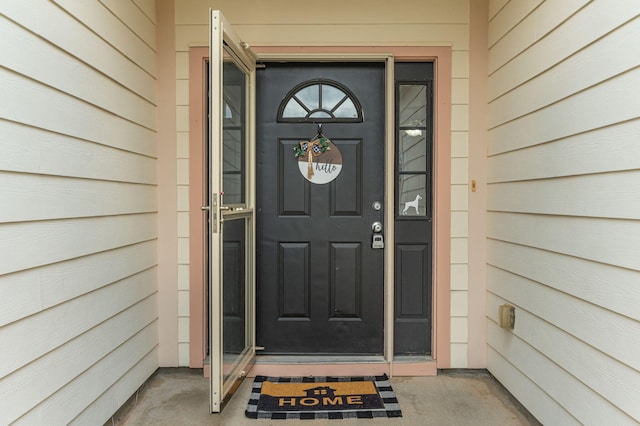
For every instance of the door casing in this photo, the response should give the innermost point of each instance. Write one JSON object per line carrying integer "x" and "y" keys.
{"x": 441, "y": 56}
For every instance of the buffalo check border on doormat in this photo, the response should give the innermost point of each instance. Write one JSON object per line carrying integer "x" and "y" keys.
{"x": 382, "y": 404}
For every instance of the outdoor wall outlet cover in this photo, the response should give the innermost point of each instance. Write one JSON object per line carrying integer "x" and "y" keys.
{"x": 507, "y": 316}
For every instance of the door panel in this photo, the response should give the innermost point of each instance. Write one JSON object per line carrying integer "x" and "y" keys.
{"x": 320, "y": 284}
{"x": 346, "y": 281}
{"x": 293, "y": 193}
{"x": 234, "y": 291}
{"x": 346, "y": 200}
{"x": 293, "y": 280}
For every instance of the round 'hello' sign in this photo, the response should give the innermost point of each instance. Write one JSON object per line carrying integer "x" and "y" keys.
{"x": 319, "y": 161}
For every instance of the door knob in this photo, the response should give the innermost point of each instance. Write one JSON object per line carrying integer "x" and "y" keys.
{"x": 376, "y": 227}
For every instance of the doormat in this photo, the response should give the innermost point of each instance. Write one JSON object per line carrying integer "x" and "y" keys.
{"x": 322, "y": 398}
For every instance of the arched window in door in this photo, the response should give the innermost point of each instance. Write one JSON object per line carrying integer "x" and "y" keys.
{"x": 320, "y": 101}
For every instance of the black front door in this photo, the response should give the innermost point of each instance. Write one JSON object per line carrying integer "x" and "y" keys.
{"x": 319, "y": 281}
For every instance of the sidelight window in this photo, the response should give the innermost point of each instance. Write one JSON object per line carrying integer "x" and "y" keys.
{"x": 413, "y": 230}
{"x": 413, "y": 149}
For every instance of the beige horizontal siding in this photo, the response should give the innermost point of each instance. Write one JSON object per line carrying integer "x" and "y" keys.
{"x": 45, "y": 19}
{"x": 606, "y": 240}
{"x": 25, "y": 388}
{"x": 101, "y": 21}
{"x": 46, "y": 152}
{"x": 615, "y": 194}
{"x": 563, "y": 222}
{"x": 569, "y": 77}
{"x": 44, "y": 242}
{"x": 87, "y": 83}
{"x": 335, "y": 35}
{"x": 510, "y": 16}
{"x": 577, "y": 31}
{"x": 584, "y": 404}
{"x": 612, "y": 148}
{"x": 120, "y": 390}
{"x": 148, "y": 7}
{"x": 606, "y": 286}
{"x": 545, "y": 17}
{"x": 495, "y": 6}
{"x": 605, "y": 104}
{"x": 78, "y": 203}
{"x": 547, "y": 409}
{"x": 283, "y": 12}
{"x": 140, "y": 22}
{"x": 64, "y": 113}
{"x": 50, "y": 197}
{"x": 25, "y": 295}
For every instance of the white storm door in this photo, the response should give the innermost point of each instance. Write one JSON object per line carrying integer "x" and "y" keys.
{"x": 232, "y": 219}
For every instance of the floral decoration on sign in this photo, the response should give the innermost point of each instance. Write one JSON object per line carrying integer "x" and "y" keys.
{"x": 313, "y": 148}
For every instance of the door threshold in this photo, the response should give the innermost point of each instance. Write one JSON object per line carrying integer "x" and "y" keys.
{"x": 319, "y": 359}
{"x": 342, "y": 365}
{"x": 412, "y": 358}
{"x": 319, "y": 365}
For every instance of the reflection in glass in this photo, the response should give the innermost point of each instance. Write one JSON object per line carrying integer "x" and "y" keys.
{"x": 233, "y": 133}
{"x": 346, "y": 110}
{"x": 310, "y": 96}
{"x": 228, "y": 114}
{"x": 412, "y": 191}
{"x": 319, "y": 114}
{"x": 413, "y": 105}
{"x": 331, "y": 96}
{"x": 232, "y": 150}
{"x": 233, "y": 184}
{"x": 412, "y": 155}
{"x": 234, "y": 289}
{"x": 294, "y": 109}
{"x": 233, "y": 94}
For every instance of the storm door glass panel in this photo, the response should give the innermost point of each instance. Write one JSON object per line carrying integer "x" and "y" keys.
{"x": 236, "y": 284}
{"x": 234, "y": 134}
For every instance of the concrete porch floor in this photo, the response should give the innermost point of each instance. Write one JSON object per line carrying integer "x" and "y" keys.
{"x": 180, "y": 396}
